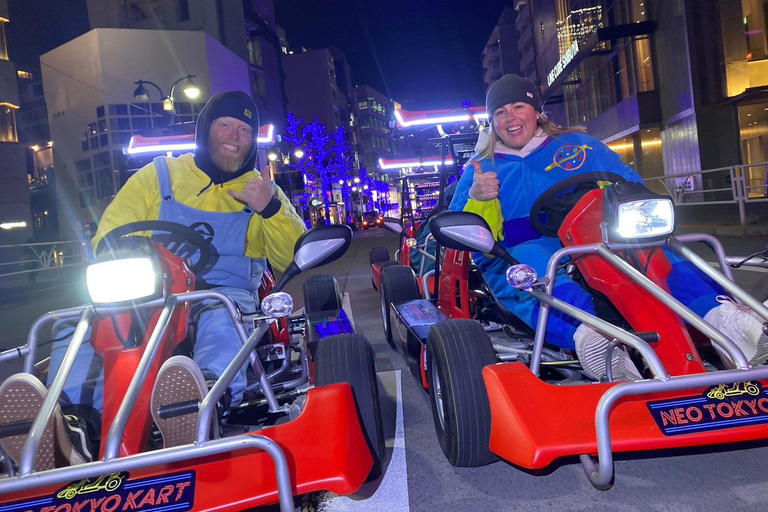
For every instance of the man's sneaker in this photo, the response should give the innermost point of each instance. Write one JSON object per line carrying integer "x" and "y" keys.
{"x": 179, "y": 391}
{"x": 743, "y": 326}
{"x": 21, "y": 397}
{"x": 591, "y": 349}
{"x": 72, "y": 439}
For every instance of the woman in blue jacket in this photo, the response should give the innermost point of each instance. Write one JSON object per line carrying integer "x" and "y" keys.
{"x": 525, "y": 154}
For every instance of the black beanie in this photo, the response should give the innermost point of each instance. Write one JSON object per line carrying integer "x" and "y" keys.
{"x": 512, "y": 89}
{"x": 239, "y": 106}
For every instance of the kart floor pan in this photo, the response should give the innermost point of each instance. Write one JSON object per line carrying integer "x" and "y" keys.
{"x": 533, "y": 423}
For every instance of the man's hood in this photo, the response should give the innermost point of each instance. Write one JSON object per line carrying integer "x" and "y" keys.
{"x": 203, "y": 128}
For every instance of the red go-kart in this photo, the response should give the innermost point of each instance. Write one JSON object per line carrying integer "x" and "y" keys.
{"x": 499, "y": 390}
{"x": 310, "y": 419}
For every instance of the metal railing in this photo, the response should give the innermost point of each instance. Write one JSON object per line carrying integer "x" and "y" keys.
{"x": 738, "y": 184}
{"x": 26, "y": 263}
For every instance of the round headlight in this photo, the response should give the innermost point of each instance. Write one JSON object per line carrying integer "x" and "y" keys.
{"x": 277, "y": 305}
{"x": 521, "y": 277}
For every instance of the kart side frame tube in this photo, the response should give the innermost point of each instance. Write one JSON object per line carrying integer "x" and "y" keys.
{"x": 600, "y": 474}
{"x": 161, "y": 457}
{"x": 606, "y": 252}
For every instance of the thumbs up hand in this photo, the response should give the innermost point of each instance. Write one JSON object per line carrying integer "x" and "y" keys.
{"x": 485, "y": 185}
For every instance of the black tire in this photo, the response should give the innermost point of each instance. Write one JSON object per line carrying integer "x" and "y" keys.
{"x": 457, "y": 352}
{"x": 378, "y": 254}
{"x": 349, "y": 358}
{"x": 398, "y": 284}
{"x": 382, "y": 266}
{"x": 321, "y": 293}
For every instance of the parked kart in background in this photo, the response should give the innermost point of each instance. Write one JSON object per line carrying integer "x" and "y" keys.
{"x": 456, "y": 134}
{"x": 498, "y": 390}
{"x": 310, "y": 419}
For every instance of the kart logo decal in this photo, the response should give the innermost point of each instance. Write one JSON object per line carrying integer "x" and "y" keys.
{"x": 115, "y": 493}
{"x": 569, "y": 158}
{"x": 724, "y": 406}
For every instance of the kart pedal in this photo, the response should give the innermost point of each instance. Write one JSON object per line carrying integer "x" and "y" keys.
{"x": 15, "y": 429}
{"x": 648, "y": 336}
{"x": 178, "y": 409}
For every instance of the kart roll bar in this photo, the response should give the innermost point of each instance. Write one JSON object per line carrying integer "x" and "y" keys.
{"x": 726, "y": 281}
{"x": 27, "y": 459}
{"x": 112, "y": 444}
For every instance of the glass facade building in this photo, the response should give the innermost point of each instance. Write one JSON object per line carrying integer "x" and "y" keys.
{"x": 674, "y": 86}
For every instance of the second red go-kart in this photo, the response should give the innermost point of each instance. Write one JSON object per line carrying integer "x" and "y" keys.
{"x": 310, "y": 419}
{"x": 499, "y": 390}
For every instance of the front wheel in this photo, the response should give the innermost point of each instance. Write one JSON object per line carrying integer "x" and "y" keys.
{"x": 457, "y": 352}
{"x": 349, "y": 358}
{"x": 321, "y": 293}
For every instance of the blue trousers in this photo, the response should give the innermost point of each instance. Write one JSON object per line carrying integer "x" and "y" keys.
{"x": 686, "y": 283}
{"x": 216, "y": 345}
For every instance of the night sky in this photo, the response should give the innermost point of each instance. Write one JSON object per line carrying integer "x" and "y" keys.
{"x": 422, "y": 53}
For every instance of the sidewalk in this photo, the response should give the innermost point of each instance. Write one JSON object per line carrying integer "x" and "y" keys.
{"x": 759, "y": 230}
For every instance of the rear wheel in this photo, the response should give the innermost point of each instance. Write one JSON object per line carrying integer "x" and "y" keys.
{"x": 349, "y": 358}
{"x": 457, "y": 352}
{"x": 398, "y": 284}
{"x": 378, "y": 254}
{"x": 321, "y": 293}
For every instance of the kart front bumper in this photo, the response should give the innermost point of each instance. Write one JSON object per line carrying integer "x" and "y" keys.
{"x": 324, "y": 448}
{"x": 533, "y": 422}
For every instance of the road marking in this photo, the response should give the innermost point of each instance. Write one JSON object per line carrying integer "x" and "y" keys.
{"x": 346, "y": 305}
{"x": 392, "y": 493}
{"x": 749, "y": 269}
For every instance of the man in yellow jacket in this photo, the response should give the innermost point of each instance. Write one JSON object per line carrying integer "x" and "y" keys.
{"x": 248, "y": 220}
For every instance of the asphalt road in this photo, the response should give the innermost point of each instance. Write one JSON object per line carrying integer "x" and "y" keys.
{"x": 729, "y": 478}
{"x": 419, "y": 478}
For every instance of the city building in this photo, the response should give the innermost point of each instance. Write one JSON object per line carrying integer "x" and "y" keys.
{"x": 674, "y": 86}
{"x": 374, "y": 112}
{"x": 93, "y": 113}
{"x": 501, "y": 56}
{"x": 32, "y": 125}
{"x": 248, "y": 29}
{"x": 313, "y": 87}
{"x": 16, "y": 160}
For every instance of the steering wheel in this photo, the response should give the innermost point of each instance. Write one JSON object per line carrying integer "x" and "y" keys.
{"x": 178, "y": 236}
{"x": 559, "y": 199}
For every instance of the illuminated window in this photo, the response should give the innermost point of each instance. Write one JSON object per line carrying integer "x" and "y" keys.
{"x": 3, "y": 44}
{"x": 26, "y": 75}
{"x": 8, "y": 124}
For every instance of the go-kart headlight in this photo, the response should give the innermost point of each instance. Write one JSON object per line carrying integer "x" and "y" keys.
{"x": 123, "y": 280}
{"x": 277, "y": 305}
{"x": 646, "y": 218}
{"x": 632, "y": 212}
{"x": 521, "y": 276}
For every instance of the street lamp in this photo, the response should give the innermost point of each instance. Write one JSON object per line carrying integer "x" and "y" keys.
{"x": 190, "y": 89}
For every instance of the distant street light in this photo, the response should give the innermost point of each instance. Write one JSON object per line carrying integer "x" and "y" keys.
{"x": 190, "y": 89}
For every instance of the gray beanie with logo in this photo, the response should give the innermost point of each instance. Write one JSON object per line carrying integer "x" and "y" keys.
{"x": 512, "y": 89}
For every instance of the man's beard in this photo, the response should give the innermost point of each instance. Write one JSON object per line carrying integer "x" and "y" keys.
{"x": 227, "y": 165}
